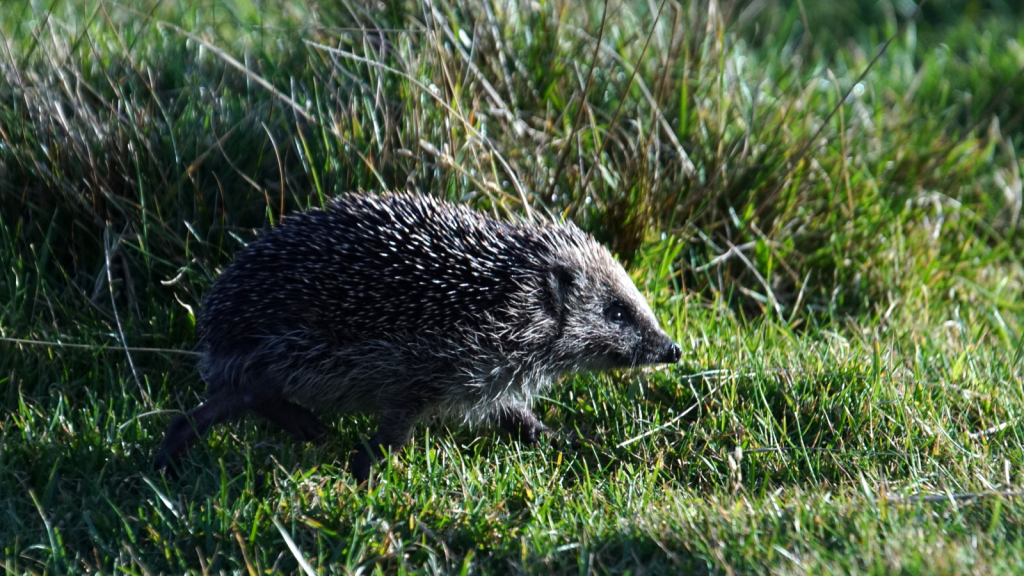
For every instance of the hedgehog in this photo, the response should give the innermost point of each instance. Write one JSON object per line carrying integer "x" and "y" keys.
{"x": 410, "y": 308}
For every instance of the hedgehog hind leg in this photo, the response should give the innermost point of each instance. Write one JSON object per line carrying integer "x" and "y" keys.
{"x": 184, "y": 429}
{"x": 394, "y": 431}
{"x": 299, "y": 422}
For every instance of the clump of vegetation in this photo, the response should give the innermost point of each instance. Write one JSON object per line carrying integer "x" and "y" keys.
{"x": 836, "y": 238}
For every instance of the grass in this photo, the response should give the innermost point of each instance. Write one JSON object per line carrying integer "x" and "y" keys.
{"x": 847, "y": 292}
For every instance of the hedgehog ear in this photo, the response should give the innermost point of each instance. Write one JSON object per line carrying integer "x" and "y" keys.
{"x": 559, "y": 283}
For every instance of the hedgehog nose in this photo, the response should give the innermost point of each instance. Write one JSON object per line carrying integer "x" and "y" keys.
{"x": 672, "y": 354}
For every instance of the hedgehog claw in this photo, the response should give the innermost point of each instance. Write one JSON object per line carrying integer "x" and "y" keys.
{"x": 571, "y": 439}
{"x": 522, "y": 424}
{"x": 184, "y": 429}
{"x": 540, "y": 435}
{"x": 394, "y": 431}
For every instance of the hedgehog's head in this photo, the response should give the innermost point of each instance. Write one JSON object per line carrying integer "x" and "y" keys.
{"x": 603, "y": 320}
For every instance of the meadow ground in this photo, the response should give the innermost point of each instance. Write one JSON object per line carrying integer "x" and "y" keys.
{"x": 834, "y": 238}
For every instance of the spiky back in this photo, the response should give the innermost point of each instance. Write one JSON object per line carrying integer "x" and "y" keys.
{"x": 368, "y": 267}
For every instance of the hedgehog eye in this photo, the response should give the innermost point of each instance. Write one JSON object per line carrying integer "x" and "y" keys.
{"x": 616, "y": 312}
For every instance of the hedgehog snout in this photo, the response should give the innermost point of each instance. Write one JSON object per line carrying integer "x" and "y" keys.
{"x": 672, "y": 354}
{"x": 661, "y": 349}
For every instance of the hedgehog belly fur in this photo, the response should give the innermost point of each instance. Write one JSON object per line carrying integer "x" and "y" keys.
{"x": 455, "y": 381}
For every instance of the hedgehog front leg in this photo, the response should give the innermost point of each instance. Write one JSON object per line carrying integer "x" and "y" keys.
{"x": 395, "y": 429}
{"x": 521, "y": 423}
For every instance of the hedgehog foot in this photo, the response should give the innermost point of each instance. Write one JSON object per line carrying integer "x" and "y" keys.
{"x": 186, "y": 428}
{"x": 522, "y": 424}
{"x": 394, "y": 431}
{"x": 297, "y": 421}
